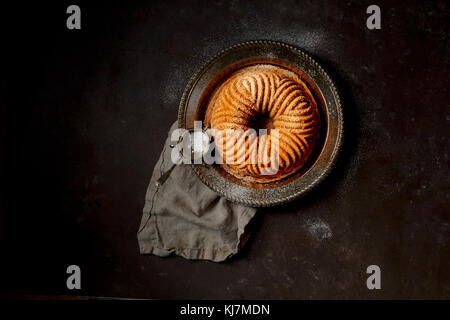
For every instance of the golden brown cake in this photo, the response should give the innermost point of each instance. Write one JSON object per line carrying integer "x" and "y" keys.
{"x": 263, "y": 97}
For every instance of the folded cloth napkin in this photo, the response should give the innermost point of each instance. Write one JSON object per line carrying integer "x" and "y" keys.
{"x": 185, "y": 217}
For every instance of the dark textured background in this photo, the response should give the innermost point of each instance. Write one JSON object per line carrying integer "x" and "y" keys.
{"x": 84, "y": 115}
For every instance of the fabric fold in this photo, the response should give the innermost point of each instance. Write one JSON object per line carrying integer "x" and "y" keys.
{"x": 185, "y": 217}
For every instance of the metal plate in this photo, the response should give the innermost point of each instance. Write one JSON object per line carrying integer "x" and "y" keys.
{"x": 253, "y": 52}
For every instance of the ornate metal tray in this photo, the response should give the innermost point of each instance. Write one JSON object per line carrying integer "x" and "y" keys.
{"x": 319, "y": 165}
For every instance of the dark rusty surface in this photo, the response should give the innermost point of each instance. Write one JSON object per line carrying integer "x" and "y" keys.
{"x": 85, "y": 114}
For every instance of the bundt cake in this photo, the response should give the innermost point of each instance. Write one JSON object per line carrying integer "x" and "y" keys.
{"x": 263, "y": 97}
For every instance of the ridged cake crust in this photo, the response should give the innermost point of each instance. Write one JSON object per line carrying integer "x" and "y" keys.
{"x": 283, "y": 101}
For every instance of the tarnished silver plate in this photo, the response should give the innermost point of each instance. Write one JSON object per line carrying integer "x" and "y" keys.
{"x": 254, "y": 52}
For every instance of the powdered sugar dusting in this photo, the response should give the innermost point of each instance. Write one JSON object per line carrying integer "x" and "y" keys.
{"x": 318, "y": 229}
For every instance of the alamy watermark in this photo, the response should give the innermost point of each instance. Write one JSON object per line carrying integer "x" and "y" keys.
{"x": 374, "y": 280}
{"x": 374, "y": 20}
{"x": 74, "y": 20}
{"x": 74, "y": 279}
{"x": 233, "y": 146}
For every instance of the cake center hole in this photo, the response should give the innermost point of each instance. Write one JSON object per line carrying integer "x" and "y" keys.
{"x": 263, "y": 121}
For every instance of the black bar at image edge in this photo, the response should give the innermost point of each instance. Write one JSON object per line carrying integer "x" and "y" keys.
{"x": 226, "y": 309}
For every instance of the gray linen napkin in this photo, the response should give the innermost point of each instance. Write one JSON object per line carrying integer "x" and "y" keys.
{"x": 185, "y": 217}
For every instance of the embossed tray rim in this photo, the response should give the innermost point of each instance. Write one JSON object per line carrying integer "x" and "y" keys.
{"x": 264, "y": 197}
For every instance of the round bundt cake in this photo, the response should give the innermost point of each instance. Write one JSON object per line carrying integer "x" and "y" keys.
{"x": 263, "y": 97}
